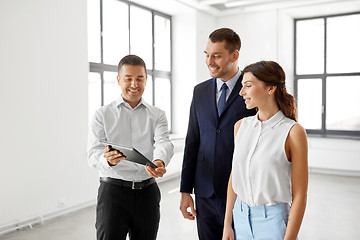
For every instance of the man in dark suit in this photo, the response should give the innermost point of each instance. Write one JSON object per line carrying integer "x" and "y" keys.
{"x": 216, "y": 106}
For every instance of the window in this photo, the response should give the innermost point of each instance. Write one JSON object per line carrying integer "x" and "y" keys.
{"x": 117, "y": 28}
{"x": 327, "y": 74}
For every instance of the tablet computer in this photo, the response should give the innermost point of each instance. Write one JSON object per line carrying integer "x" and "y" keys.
{"x": 130, "y": 154}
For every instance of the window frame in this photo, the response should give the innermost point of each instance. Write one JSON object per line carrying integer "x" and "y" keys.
{"x": 323, "y": 132}
{"x": 154, "y": 73}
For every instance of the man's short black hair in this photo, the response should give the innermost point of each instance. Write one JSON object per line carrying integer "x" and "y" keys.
{"x": 131, "y": 60}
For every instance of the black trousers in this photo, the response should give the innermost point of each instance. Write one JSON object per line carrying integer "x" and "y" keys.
{"x": 210, "y": 214}
{"x": 121, "y": 211}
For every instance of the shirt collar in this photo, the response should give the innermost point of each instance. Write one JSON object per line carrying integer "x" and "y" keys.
{"x": 230, "y": 83}
{"x": 270, "y": 122}
{"x": 120, "y": 101}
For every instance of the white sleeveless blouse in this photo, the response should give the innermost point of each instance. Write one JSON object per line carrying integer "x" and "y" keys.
{"x": 261, "y": 172}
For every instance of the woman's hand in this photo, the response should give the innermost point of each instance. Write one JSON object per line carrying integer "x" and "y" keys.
{"x": 228, "y": 233}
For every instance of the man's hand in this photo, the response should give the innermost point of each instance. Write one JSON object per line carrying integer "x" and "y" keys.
{"x": 113, "y": 157}
{"x": 186, "y": 202}
{"x": 156, "y": 172}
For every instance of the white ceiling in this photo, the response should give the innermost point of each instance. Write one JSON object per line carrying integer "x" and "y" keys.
{"x": 220, "y": 7}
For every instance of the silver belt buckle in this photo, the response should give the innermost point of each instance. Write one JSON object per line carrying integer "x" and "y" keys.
{"x": 133, "y": 186}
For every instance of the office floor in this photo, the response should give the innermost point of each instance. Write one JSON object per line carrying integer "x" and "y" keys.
{"x": 332, "y": 213}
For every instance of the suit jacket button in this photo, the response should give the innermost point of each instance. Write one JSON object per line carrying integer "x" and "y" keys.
{"x": 218, "y": 131}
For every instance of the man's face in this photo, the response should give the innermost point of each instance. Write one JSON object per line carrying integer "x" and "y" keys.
{"x": 220, "y": 62}
{"x": 132, "y": 80}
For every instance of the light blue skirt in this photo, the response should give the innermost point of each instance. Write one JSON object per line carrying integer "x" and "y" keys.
{"x": 261, "y": 222}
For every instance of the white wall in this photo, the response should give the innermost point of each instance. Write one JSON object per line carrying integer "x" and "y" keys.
{"x": 43, "y": 91}
{"x": 205, "y": 24}
{"x": 257, "y": 31}
{"x": 184, "y": 71}
{"x": 268, "y": 35}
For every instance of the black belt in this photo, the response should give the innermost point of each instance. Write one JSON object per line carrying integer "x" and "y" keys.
{"x": 128, "y": 184}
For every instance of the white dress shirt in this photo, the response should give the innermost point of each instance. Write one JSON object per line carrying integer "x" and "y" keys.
{"x": 144, "y": 128}
{"x": 261, "y": 172}
{"x": 230, "y": 83}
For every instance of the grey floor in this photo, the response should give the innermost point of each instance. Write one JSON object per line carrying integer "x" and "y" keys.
{"x": 332, "y": 213}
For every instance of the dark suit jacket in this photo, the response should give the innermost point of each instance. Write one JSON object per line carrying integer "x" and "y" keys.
{"x": 209, "y": 142}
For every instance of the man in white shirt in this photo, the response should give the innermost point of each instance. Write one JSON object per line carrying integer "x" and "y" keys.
{"x": 128, "y": 197}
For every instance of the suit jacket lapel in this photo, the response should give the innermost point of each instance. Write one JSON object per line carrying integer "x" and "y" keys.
{"x": 212, "y": 100}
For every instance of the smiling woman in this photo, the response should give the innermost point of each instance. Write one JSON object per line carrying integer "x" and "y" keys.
{"x": 270, "y": 170}
{"x": 268, "y": 78}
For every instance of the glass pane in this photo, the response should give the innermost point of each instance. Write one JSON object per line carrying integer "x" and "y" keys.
{"x": 343, "y": 48}
{"x": 112, "y": 90}
{"x": 162, "y": 43}
{"x": 141, "y": 34}
{"x": 115, "y": 31}
{"x": 148, "y": 93}
{"x": 94, "y": 93}
{"x": 342, "y": 99}
{"x": 94, "y": 44}
{"x": 310, "y": 46}
{"x": 163, "y": 96}
{"x": 310, "y": 103}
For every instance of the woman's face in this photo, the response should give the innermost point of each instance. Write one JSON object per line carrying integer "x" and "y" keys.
{"x": 254, "y": 91}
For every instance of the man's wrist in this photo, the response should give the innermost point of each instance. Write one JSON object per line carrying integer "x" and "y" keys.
{"x": 185, "y": 193}
{"x": 161, "y": 161}
{"x": 110, "y": 164}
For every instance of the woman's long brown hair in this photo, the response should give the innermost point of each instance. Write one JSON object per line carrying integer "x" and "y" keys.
{"x": 272, "y": 74}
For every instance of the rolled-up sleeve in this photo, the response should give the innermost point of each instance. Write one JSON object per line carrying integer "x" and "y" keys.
{"x": 163, "y": 148}
{"x": 95, "y": 148}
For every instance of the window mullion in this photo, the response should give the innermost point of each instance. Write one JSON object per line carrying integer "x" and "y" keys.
{"x": 153, "y": 56}
{"x": 101, "y": 53}
{"x": 324, "y": 80}
{"x": 102, "y": 87}
{"x": 129, "y": 24}
{"x": 101, "y": 33}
